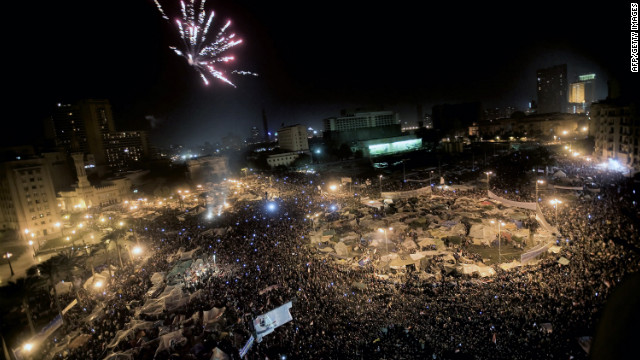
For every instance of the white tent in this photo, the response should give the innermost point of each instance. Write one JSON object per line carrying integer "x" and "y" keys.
{"x": 559, "y": 174}
{"x": 63, "y": 288}
{"x": 341, "y": 249}
{"x": 97, "y": 281}
{"x": 213, "y": 315}
{"x": 170, "y": 341}
{"x": 219, "y": 355}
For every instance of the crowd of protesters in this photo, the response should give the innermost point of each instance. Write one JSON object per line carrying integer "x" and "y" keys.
{"x": 534, "y": 311}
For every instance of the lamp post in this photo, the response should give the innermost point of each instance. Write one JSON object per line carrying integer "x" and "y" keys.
{"x": 555, "y": 203}
{"x": 538, "y": 182}
{"x": 33, "y": 247}
{"x": 500, "y": 223}
{"x": 386, "y": 241}
{"x": 8, "y": 256}
{"x": 488, "y": 175}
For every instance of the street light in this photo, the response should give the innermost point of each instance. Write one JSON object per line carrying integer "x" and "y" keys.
{"x": 555, "y": 203}
{"x": 538, "y": 182}
{"x": 33, "y": 247}
{"x": 489, "y": 173}
{"x": 500, "y": 223}
{"x": 8, "y": 256}
{"x": 386, "y": 241}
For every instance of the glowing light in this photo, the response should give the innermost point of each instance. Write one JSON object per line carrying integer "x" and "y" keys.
{"x": 200, "y": 53}
{"x": 136, "y": 250}
{"x": 98, "y": 284}
{"x": 27, "y": 346}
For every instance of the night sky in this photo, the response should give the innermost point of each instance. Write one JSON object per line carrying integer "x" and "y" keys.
{"x": 313, "y": 59}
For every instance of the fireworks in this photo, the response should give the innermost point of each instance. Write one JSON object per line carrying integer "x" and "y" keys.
{"x": 202, "y": 54}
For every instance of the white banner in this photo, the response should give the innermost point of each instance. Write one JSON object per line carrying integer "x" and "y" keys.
{"x": 520, "y": 204}
{"x": 407, "y": 194}
{"x": 265, "y": 324}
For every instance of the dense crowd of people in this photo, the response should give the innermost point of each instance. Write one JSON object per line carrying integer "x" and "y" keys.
{"x": 534, "y": 311}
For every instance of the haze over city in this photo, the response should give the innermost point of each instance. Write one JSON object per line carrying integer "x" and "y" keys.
{"x": 237, "y": 179}
{"x": 311, "y": 60}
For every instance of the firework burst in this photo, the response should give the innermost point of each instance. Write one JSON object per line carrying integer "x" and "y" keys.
{"x": 200, "y": 52}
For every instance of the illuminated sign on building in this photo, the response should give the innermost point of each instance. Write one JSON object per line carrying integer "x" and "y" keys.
{"x": 395, "y": 147}
{"x": 587, "y": 77}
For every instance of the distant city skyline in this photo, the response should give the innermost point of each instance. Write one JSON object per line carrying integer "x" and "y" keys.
{"x": 311, "y": 63}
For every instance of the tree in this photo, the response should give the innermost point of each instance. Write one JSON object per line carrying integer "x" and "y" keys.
{"x": 21, "y": 289}
{"x": 49, "y": 271}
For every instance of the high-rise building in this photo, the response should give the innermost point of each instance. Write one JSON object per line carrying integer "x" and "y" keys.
{"x": 358, "y": 120}
{"x": 615, "y": 126}
{"x": 293, "y": 138}
{"x": 551, "y": 88}
{"x": 80, "y": 127}
{"x": 28, "y": 199}
{"x": 582, "y": 93}
{"x": 125, "y": 150}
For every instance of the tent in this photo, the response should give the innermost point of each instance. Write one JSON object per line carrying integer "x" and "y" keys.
{"x": 559, "y": 174}
{"x": 96, "y": 281}
{"x": 127, "y": 334}
{"x": 127, "y": 355}
{"x": 63, "y": 288}
{"x": 79, "y": 341}
{"x": 170, "y": 341}
{"x": 219, "y": 355}
{"x": 213, "y": 315}
{"x": 341, "y": 249}
{"x": 400, "y": 264}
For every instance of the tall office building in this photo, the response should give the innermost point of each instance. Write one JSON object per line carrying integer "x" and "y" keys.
{"x": 125, "y": 150}
{"x": 582, "y": 93}
{"x": 552, "y": 88}
{"x": 293, "y": 138}
{"x": 81, "y": 127}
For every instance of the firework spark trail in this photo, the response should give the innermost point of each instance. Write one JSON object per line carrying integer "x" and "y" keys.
{"x": 193, "y": 28}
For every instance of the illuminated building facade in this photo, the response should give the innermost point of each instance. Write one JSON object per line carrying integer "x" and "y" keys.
{"x": 551, "y": 89}
{"x": 125, "y": 150}
{"x": 582, "y": 94}
{"x": 85, "y": 195}
{"x": 537, "y": 126}
{"x": 616, "y": 130}
{"x": 284, "y": 159}
{"x": 293, "y": 138}
{"x": 28, "y": 199}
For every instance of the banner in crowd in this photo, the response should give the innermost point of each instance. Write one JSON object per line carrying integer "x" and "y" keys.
{"x": 265, "y": 324}
{"x": 520, "y": 204}
{"x": 534, "y": 253}
{"x": 577, "y": 188}
{"x": 247, "y": 346}
{"x": 393, "y": 195}
{"x": 543, "y": 222}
